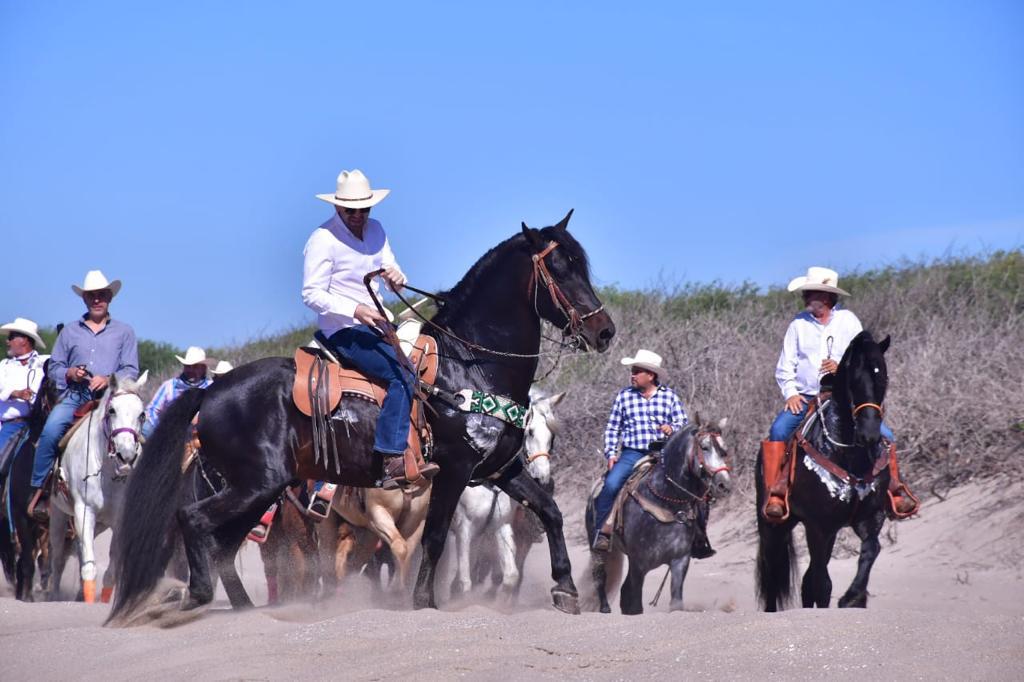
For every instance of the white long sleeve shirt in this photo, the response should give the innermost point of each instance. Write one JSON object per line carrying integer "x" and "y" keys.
{"x": 807, "y": 343}
{"x": 15, "y": 376}
{"x": 335, "y": 264}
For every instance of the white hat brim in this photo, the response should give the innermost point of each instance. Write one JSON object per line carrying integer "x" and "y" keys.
{"x": 114, "y": 287}
{"x": 801, "y": 284}
{"x": 34, "y": 336}
{"x": 632, "y": 362}
{"x": 376, "y": 196}
{"x": 185, "y": 361}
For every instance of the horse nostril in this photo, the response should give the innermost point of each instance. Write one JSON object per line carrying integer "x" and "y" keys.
{"x": 607, "y": 333}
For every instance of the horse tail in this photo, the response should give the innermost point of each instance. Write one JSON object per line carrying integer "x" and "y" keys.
{"x": 147, "y": 529}
{"x": 776, "y": 565}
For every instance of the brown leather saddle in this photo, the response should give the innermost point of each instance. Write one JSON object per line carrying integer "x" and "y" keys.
{"x": 81, "y": 413}
{"x": 321, "y": 380}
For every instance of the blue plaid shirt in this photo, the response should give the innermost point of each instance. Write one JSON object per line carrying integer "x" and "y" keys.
{"x": 634, "y": 420}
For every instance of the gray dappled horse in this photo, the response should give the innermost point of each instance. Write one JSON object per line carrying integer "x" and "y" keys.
{"x": 691, "y": 470}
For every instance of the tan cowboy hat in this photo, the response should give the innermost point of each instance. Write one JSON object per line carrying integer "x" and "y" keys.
{"x": 649, "y": 360}
{"x": 26, "y": 327}
{"x": 354, "y": 191}
{"x": 95, "y": 281}
{"x": 818, "y": 279}
{"x": 193, "y": 356}
{"x": 223, "y": 367}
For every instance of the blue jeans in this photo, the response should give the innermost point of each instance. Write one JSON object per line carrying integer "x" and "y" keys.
{"x": 62, "y": 416}
{"x": 787, "y": 422}
{"x": 7, "y": 432}
{"x": 613, "y": 482}
{"x": 375, "y": 357}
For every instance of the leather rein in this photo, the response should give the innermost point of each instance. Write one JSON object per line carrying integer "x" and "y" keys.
{"x": 881, "y": 462}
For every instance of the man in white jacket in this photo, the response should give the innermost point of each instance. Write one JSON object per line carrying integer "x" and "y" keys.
{"x": 337, "y": 256}
{"x": 21, "y": 374}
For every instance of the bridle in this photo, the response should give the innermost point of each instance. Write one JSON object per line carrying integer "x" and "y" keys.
{"x": 541, "y": 275}
{"x": 112, "y": 450}
{"x": 696, "y": 463}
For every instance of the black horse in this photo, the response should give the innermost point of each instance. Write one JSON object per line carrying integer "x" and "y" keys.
{"x": 255, "y": 439}
{"x": 822, "y": 497}
{"x": 692, "y": 470}
{"x": 28, "y": 544}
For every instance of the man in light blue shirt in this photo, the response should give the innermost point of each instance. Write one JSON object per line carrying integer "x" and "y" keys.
{"x": 193, "y": 375}
{"x": 88, "y": 351}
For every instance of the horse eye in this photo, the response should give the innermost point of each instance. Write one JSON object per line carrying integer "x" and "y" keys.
{"x": 876, "y": 370}
{"x": 111, "y": 411}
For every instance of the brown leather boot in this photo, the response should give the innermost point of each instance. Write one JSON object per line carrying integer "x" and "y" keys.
{"x": 398, "y": 475}
{"x": 904, "y": 503}
{"x": 773, "y": 453}
{"x": 38, "y": 508}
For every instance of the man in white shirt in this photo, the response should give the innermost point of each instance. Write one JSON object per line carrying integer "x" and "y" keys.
{"x": 337, "y": 256}
{"x": 814, "y": 343}
{"x": 21, "y": 375}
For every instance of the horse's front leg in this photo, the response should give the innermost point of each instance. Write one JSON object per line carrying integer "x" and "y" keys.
{"x": 631, "y": 597}
{"x": 462, "y": 528}
{"x": 678, "y": 568}
{"x": 85, "y": 528}
{"x": 816, "y": 588}
{"x": 446, "y": 489}
{"x": 522, "y": 488}
{"x": 867, "y": 530}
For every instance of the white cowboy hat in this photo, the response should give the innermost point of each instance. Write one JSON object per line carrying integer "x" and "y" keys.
{"x": 95, "y": 281}
{"x": 193, "y": 356}
{"x": 818, "y": 279}
{"x": 223, "y": 367}
{"x": 354, "y": 191}
{"x": 26, "y": 327}
{"x": 649, "y": 360}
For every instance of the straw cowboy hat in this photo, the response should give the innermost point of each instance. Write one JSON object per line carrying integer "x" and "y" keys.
{"x": 95, "y": 281}
{"x": 193, "y": 356}
{"x": 223, "y": 367}
{"x": 354, "y": 191}
{"x": 818, "y": 279}
{"x": 646, "y": 359}
{"x": 26, "y": 327}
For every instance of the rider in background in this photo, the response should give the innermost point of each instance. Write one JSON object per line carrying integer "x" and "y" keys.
{"x": 21, "y": 375}
{"x": 338, "y": 255}
{"x": 814, "y": 343}
{"x": 193, "y": 375}
{"x": 642, "y": 413}
{"x": 88, "y": 351}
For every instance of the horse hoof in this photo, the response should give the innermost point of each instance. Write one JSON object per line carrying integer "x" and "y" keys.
{"x": 854, "y": 601}
{"x": 606, "y": 609}
{"x": 566, "y": 602}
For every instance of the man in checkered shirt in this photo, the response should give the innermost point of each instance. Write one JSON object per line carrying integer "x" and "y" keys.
{"x": 642, "y": 413}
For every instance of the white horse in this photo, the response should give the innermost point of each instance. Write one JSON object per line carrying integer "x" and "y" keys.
{"x": 95, "y": 465}
{"x": 486, "y": 520}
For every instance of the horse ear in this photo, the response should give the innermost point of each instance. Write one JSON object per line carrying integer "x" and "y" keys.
{"x": 142, "y": 379}
{"x": 722, "y": 422}
{"x": 112, "y": 384}
{"x": 533, "y": 238}
{"x": 556, "y": 398}
{"x": 563, "y": 224}
{"x": 883, "y": 345}
{"x": 697, "y": 419}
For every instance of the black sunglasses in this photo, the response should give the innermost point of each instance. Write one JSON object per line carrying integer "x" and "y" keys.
{"x": 355, "y": 210}
{"x": 16, "y": 335}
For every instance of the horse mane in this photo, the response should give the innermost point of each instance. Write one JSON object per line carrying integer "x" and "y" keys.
{"x": 455, "y": 298}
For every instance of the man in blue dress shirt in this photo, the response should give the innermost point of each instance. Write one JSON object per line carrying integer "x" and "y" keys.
{"x": 88, "y": 351}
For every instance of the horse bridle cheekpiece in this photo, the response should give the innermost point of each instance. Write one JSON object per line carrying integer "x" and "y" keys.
{"x": 541, "y": 274}
{"x": 111, "y": 448}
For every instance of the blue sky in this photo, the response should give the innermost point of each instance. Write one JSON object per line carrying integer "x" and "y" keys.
{"x": 179, "y": 149}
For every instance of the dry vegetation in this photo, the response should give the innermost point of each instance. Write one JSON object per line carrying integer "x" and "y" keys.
{"x": 955, "y": 367}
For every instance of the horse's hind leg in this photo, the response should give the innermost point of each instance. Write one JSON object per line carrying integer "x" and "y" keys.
{"x": 679, "y": 567}
{"x": 59, "y": 546}
{"x": 816, "y": 588}
{"x": 522, "y": 488}
{"x": 237, "y": 595}
{"x": 85, "y": 529}
{"x": 867, "y": 530}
